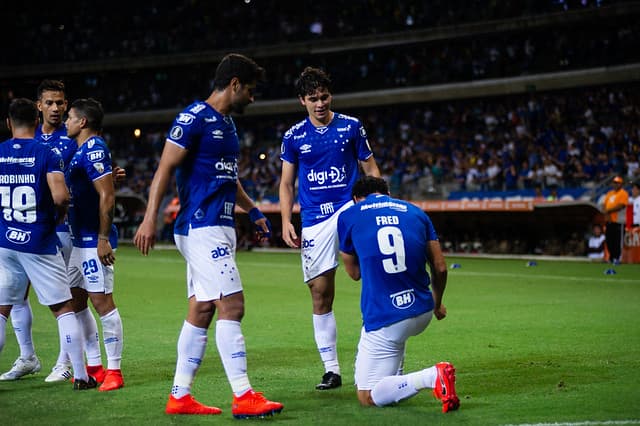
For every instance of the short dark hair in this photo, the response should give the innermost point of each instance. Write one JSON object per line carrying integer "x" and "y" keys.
{"x": 369, "y": 185}
{"x": 51, "y": 86}
{"x": 310, "y": 80}
{"x": 90, "y": 109}
{"x": 240, "y": 66}
{"x": 23, "y": 112}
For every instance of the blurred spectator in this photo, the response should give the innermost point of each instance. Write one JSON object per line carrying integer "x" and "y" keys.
{"x": 596, "y": 243}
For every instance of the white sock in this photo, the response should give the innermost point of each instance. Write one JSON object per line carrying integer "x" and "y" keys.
{"x": 392, "y": 389}
{"x": 112, "y": 336}
{"x": 89, "y": 328}
{"x": 423, "y": 379}
{"x": 21, "y": 319}
{"x": 325, "y": 332}
{"x": 71, "y": 343}
{"x": 191, "y": 346}
{"x": 396, "y": 388}
{"x": 231, "y": 348}
{"x": 3, "y": 328}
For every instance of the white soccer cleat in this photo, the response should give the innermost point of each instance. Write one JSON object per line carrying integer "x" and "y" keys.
{"x": 59, "y": 373}
{"x": 22, "y": 367}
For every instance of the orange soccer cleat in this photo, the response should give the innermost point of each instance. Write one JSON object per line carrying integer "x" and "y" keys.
{"x": 445, "y": 389}
{"x": 112, "y": 380}
{"x": 188, "y": 405}
{"x": 253, "y": 404}
{"x": 97, "y": 371}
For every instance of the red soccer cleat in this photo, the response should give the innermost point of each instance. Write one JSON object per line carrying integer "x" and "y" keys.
{"x": 253, "y": 404}
{"x": 112, "y": 380}
{"x": 97, "y": 371}
{"x": 188, "y": 405}
{"x": 445, "y": 389}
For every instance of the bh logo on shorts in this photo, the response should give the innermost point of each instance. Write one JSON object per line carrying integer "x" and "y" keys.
{"x": 403, "y": 299}
{"x": 220, "y": 252}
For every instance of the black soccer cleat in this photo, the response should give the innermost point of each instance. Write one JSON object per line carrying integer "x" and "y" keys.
{"x": 330, "y": 380}
{"x": 84, "y": 385}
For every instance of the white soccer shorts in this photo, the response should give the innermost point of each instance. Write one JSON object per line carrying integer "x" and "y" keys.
{"x": 320, "y": 246}
{"x": 86, "y": 271}
{"x": 211, "y": 266}
{"x": 46, "y": 272}
{"x": 381, "y": 351}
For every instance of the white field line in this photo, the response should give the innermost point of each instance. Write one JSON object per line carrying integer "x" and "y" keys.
{"x": 542, "y": 276}
{"x": 585, "y": 423}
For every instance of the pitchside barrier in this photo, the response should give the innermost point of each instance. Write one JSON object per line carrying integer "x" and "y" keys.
{"x": 527, "y": 220}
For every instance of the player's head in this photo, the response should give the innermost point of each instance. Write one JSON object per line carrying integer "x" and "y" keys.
{"x": 52, "y": 102}
{"x": 84, "y": 114}
{"x": 23, "y": 114}
{"x": 313, "y": 88}
{"x": 312, "y": 79}
{"x": 635, "y": 187}
{"x": 367, "y": 185}
{"x": 241, "y": 75}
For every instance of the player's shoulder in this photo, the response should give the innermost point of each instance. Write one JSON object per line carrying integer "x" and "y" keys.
{"x": 192, "y": 112}
{"x": 295, "y": 130}
{"x": 346, "y": 118}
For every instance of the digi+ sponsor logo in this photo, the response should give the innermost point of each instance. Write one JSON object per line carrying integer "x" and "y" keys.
{"x": 333, "y": 175}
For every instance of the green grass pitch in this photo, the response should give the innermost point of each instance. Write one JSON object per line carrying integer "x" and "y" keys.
{"x": 554, "y": 343}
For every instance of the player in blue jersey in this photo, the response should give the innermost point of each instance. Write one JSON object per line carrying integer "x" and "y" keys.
{"x": 34, "y": 198}
{"x": 94, "y": 237}
{"x": 388, "y": 243}
{"x": 202, "y": 148}
{"x": 324, "y": 152}
{"x": 52, "y": 104}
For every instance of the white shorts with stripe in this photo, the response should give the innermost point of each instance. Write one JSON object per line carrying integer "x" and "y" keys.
{"x": 381, "y": 351}
{"x": 320, "y": 246}
{"x": 46, "y": 272}
{"x": 211, "y": 266}
{"x": 86, "y": 271}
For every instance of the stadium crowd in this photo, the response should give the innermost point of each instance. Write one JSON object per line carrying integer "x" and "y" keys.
{"x": 567, "y": 139}
{"x": 521, "y": 51}
{"x": 158, "y": 28}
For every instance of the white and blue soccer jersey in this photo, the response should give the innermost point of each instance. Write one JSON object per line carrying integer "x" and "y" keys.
{"x": 63, "y": 145}
{"x": 59, "y": 142}
{"x": 207, "y": 178}
{"x": 390, "y": 239}
{"x": 327, "y": 162}
{"x": 90, "y": 162}
{"x": 28, "y": 221}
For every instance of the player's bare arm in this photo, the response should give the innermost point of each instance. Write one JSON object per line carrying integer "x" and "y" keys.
{"x": 59, "y": 193}
{"x": 370, "y": 167}
{"x": 287, "y": 181}
{"x": 172, "y": 156}
{"x": 351, "y": 265}
{"x": 107, "y": 195}
{"x": 246, "y": 203}
{"x": 438, "y": 267}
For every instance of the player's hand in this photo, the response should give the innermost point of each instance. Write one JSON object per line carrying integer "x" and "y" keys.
{"x": 105, "y": 253}
{"x": 289, "y": 235}
{"x": 262, "y": 224}
{"x": 119, "y": 175}
{"x": 440, "y": 312}
{"x": 145, "y": 237}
